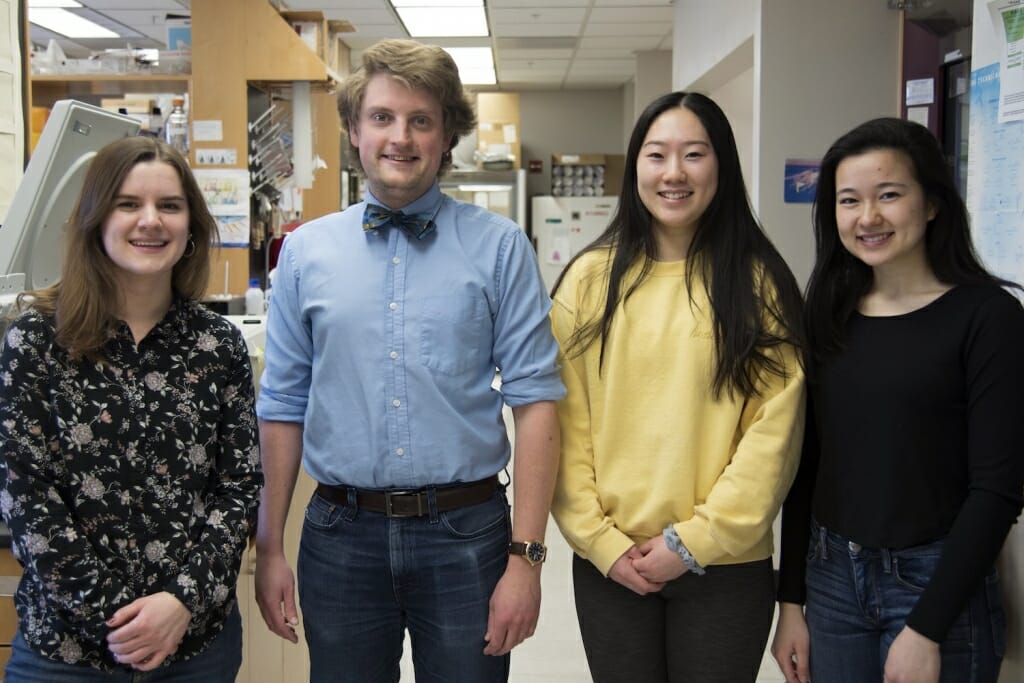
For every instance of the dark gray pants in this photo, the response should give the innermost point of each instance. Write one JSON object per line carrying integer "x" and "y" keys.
{"x": 697, "y": 629}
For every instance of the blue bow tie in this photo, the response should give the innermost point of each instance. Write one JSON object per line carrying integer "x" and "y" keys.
{"x": 415, "y": 225}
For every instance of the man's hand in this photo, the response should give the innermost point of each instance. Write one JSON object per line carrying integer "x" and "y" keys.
{"x": 147, "y": 630}
{"x": 912, "y": 659}
{"x": 792, "y": 645}
{"x": 515, "y": 607}
{"x": 275, "y": 594}
{"x": 624, "y": 572}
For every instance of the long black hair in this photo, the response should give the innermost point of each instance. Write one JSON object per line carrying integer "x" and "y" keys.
{"x": 839, "y": 279}
{"x": 755, "y": 300}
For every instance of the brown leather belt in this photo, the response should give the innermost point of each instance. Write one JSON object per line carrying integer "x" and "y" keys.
{"x": 412, "y": 502}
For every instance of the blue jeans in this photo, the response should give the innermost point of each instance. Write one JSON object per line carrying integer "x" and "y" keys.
{"x": 218, "y": 663}
{"x": 364, "y": 578}
{"x": 858, "y": 600}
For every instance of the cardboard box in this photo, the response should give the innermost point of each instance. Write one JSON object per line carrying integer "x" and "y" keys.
{"x": 131, "y": 105}
{"x": 498, "y": 125}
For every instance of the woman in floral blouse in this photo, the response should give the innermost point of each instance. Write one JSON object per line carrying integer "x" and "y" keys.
{"x": 129, "y": 466}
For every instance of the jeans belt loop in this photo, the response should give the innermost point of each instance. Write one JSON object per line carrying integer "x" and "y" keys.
{"x": 431, "y": 494}
{"x": 823, "y": 542}
{"x": 886, "y": 556}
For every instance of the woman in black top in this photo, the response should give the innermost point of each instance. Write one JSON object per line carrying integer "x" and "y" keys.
{"x": 129, "y": 467}
{"x": 912, "y": 472}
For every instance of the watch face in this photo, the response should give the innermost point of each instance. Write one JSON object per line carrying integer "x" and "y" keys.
{"x": 535, "y": 552}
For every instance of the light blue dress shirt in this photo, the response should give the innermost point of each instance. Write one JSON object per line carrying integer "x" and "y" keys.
{"x": 385, "y": 346}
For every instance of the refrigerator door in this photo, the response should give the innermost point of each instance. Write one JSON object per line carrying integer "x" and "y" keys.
{"x": 562, "y": 226}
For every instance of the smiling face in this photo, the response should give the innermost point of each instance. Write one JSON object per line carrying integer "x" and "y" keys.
{"x": 881, "y": 211}
{"x": 677, "y": 172}
{"x": 147, "y": 230}
{"x": 401, "y": 140}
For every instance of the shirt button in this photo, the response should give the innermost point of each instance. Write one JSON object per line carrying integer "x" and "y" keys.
{"x": 393, "y": 355}
{"x": 396, "y": 260}
{"x": 392, "y": 305}
{"x": 399, "y": 452}
{"x": 396, "y": 403}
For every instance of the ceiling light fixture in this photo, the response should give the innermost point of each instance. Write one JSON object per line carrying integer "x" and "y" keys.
{"x": 476, "y": 64}
{"x": 442, "y": 18}
{"x": 67, "y": 24}
{"x": 42, "y": 4}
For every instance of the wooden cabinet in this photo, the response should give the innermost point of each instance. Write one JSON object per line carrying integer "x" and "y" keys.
{"x": 266, "y": 658}
{"x": 235, "y": 44}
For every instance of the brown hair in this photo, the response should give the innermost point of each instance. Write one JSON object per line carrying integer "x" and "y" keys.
{"x": 86, "y": 298}
{"x": 417, "y": 66}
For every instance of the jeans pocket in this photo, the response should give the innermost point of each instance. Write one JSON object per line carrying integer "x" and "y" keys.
{"x": 474, "y": 521}
{"x": 322, "y": 513}
{"x": 914, "y": 572}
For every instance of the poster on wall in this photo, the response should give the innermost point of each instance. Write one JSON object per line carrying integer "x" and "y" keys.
{"x": 995, "y": 194}
{"x": 1008, "y": 24}
{"x": 227, "y": 195}
{"x": 801, "y": 180}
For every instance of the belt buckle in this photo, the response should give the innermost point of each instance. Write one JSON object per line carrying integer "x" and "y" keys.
{"x": 389, "y": 510}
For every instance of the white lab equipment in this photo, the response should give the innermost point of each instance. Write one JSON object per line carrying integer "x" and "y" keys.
{"x": 562, "y": 226}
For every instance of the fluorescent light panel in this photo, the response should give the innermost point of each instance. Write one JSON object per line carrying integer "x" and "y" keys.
{"x": 68, "y": 24}
{"x": 436, "y": 22}
{"x": 434, "y": 3}
{"x": 40, "y": 4}
{"x": 476, "y": 64}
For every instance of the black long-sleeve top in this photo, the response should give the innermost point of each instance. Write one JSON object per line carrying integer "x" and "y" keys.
{"x": 915, "y": 432}
{"x": 125, "y": 478}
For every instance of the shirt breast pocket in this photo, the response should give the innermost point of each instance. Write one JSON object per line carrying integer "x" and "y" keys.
{"x": 455, "y": 333}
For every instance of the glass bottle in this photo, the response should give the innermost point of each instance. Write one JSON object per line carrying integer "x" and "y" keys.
{"x": 176, "y": 128}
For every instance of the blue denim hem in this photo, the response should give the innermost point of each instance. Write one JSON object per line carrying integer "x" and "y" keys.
{"x": 675, "y": 544}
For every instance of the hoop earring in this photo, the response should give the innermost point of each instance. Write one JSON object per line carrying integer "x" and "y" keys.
{"x": 191, "y": 243}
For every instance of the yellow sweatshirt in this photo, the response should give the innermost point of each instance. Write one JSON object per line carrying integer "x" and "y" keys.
{"x": 644, "y": 443}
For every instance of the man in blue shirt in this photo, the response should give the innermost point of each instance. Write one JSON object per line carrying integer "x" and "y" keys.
{"x": 383, "y": 338}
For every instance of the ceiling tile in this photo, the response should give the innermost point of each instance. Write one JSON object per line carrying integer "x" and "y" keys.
{"x": 622, "y": 42}
{"x": 631, "y": 14}
{"x": 537, "y": 15}
{"x": 540, "y": 30}
{"x": 535, "y": 54}
{"x": 631, "y": 29}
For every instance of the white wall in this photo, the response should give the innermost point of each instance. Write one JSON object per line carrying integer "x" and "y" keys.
{"x": 705, "y": 32}
{"x": 652, "y": 79}
{"x": 822, "y": 68}
{"x": 984, "y": 45}
{"x": 736, "y": 98}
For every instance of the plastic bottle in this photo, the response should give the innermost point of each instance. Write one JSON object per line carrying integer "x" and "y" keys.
{"x": 176, "y": 128}
{"x": 254, "y": 298}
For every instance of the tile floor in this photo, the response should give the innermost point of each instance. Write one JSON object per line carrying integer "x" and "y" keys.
{"x": 555, "y": 652}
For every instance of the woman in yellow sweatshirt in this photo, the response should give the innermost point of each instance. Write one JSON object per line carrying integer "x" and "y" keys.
{"x": 681, "y": 336}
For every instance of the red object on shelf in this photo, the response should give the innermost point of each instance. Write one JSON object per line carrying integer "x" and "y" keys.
{"x": 277, "y": 242}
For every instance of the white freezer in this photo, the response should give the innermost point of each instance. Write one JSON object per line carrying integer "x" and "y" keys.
{"x": 562, "y": 226}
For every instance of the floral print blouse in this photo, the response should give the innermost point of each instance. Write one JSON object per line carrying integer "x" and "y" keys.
{"x": 126, "y": 478}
